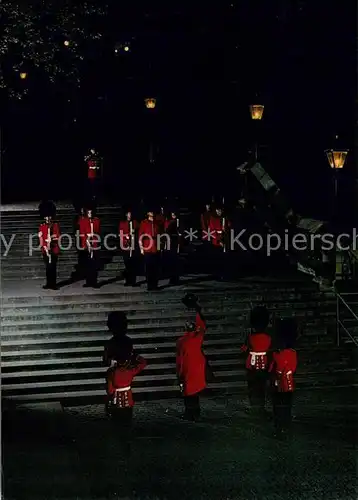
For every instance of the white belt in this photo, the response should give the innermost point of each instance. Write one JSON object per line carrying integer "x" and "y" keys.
{"x": 123, "y": 389}
{"x": 219, "y": 232}
{"x": 254, "y": 354}
{"x": 287, "y": 373}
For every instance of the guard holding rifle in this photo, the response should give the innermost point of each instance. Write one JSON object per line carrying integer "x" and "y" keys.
{"x": 49, "y": 234}
{"x": 89, "y": 243}
{"x": 218, "y": 229}
{"x": 149, "y": 248}
{"x": 172, "y": 247}
{"x": 127, "y": 235}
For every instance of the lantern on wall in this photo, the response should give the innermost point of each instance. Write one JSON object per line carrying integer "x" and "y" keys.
{"x": 150, "y": 102}
{"x": 336, "y": 158}
{"x": 23, "y": 75}
{"x": 256, "y": 111}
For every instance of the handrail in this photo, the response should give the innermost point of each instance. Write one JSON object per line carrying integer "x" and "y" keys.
{"x": 340, "y": 323}
{"x": 339, "y": 296}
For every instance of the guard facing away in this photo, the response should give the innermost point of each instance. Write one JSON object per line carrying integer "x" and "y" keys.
{"x": 282, "y": 368}
{"x": 204, "y": 221}
{"x": 218, "y": 229}
{"x": 123, "y": 365}
{"x": 128, "y": 231}
{"x": 191, "y": 361}
{"x": 93, "y": 163}
{"x": 257, "y": 364}
{"x": 90, "y": 243}
{"x": 172, "y": 248}
{"x": 49, "y": 234}
{"x": 148, "y": 244}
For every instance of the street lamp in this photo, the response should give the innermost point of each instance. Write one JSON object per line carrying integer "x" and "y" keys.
{"x": 66, "y": 43}
{"x": 257, "y": 111}
{"x": 150, "y": 102}
{"x": 336, "y": 159}
{"x": 23, "y": 75}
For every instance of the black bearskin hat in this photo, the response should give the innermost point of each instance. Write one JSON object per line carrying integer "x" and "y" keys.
{"x": 259, "y": 318}
{"x": 190, "y": 300}
{"x": 47, "y": 209}
{"x": 117, "y": 323}
{"x": 286, "y": 333}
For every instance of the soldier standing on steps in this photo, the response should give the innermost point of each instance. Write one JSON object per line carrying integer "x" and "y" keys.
{"x": 172, "y": 249}
{"x": 218, "y": 229}
{"x": 148, "y": 244}
{"x": 283, "y": 368}
{"x": 191, "y": 363}
{"x": 257, "y": 363}
{"x": 49, "y": 234}
{"x": 89, "y": 243}
{"x": 127, "y": 230}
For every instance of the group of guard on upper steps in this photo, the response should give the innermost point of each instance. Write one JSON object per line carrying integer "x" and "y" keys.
{"x": 139, "y": 242}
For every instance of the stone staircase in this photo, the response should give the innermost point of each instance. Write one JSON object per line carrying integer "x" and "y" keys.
{"x": 52, "y": 342}
{"x": 23, "y": 260}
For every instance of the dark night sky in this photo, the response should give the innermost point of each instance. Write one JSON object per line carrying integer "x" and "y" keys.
{"x": 205, "y": 64}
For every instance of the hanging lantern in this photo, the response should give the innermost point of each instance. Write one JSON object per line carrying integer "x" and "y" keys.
{"x": 150, "y": 102}
{"x": 336, "y": 158}
{"x": 23, "y": 75}
{"x": 256, "y": 111}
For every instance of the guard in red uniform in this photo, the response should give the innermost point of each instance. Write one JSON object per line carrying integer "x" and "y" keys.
{"x": 257, "y": 364}
{"x": 283, "y": 367}
{"x": 89, "y": 244}
{"x": 93, "y": 171}
{"x": 172, "y": 249}
{"x": 217, "y": 236}
{"x": 49, "y": 234}
{"x": 79, "y": 272}
{"x": 128, "y": 231}
{"x": 149, "y": 248}
{"x": 204, "y": 221}
{"x": 191, "y": 362}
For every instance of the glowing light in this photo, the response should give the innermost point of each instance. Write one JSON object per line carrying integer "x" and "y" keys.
{"x": 257, "y": 111}
{"x": 66, "y": 43}
{"x": 150, "y": 102}
{"x": 23, "y": 75}
{"x": 336, "y": 159}
{"x": 126, "y": 48}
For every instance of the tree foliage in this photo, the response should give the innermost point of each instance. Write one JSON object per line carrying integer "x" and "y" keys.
{"x": 45, "y": 38}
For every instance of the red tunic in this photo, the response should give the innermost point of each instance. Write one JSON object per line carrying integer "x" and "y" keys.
{"x": 119, "y": 380}
{"x": 85, "y": 231}
{"x": 160, "y": 220}
{"x": 124, "y": 231}
{"x": 204, "y": 221}
{"x": 92, "y": 169}
{"x": 190, "y": 360}
{"x": 283, "y": 367}
{"x": 216, "y": 228}
{"x": 55, "y": 234}
{"x": 258, "y": 345}
{"x": 148, "y": 236}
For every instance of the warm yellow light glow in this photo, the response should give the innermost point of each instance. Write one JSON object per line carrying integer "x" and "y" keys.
{"x": 66, "y": 43}
{"x": 23, "y": 75}
{"x": 257, "y": 111}
{"x": 336, "y": 159}
{"x": 150, "y": 102}
{"x": 126, "y": 48}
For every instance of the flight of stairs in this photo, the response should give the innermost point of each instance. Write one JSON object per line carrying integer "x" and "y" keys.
{"x": 52, "y": 341}
{"x": 20, "y": 263}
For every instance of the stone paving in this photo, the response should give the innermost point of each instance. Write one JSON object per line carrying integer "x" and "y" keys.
{"x": 75, "y": 453}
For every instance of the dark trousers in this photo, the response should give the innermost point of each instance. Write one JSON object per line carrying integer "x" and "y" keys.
{"x": 172, "y": 263}
{"x": 256, "y": 384}
{"x": 51, "y": 270}
{"x": 151, "y": 263}
{"x": 90, "y": 267}
{"x": 81, "y": 264}
{"x": 192, "y": 407}
{"x": 130, "y": 272}
{"x": 282, "y": 410}
{"x": 122, "y": 421}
